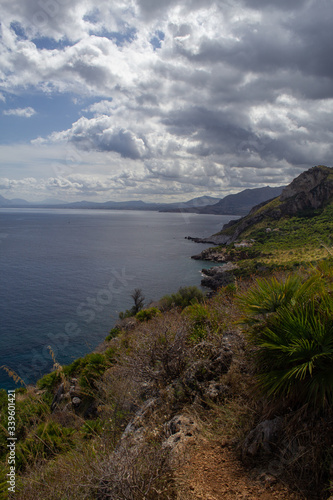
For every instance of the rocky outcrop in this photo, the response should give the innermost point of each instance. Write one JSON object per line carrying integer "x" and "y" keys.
{"x": 219, "y": 276}
{"x": 311, "y": 190}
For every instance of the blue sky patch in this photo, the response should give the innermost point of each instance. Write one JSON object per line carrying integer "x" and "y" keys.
{"x": 157, "y": 39}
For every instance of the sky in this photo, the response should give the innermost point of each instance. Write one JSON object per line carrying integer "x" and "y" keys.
{"x": 162, "y": 100}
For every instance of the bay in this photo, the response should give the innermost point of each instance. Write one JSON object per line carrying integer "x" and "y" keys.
{"x": 66, "y": 275}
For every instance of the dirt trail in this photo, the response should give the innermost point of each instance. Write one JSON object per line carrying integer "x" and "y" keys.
{"x": 213, "y": 472}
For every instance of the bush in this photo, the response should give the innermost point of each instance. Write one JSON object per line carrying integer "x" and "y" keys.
{"x": 138, "y": 299}
{"x": 268, "y": 295}
{"x": 49, "y": 381}
{"x": 91, "y": 428}
{"x": 50, "y": 439}
{"x": 113, "y": 333}
{"x": 294, "y": 345}
{"x": 147, "y": 314}
{"x": 93, "y": 366}
{"x": 183, "y": 298}
{"x": 200, "y": 319}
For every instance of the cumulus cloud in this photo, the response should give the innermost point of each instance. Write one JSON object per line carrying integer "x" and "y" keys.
{"x": 20, "y": 112}
{"x": 101, "y": 134}
{"x": 180, "y": 94}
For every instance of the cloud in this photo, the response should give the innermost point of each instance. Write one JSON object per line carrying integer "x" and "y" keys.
{"x": 177, "y": 95}
{"x": 101, "y": 134}
{"x": 20, "y": 112}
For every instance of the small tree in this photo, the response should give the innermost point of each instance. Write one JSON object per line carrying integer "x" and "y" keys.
{"x": 139, "y": 299}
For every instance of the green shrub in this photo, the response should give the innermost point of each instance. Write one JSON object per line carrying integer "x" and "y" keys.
{"x": 113, "y": 333}
{"x": 199, "y": 317}
{"x": 92, "y": 367}
{"x": 147, "y": 314}
{"x": 268, "y": 295}
{"x": 49, "y": 439}
{"x": 295, "y": 352}
{"x": 91, "y": 428}
{"x": 49, "y": 381}
{"x": 183, "y": 298}
{"x": 294, "y": 344}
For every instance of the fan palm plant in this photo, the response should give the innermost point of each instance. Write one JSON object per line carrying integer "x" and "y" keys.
{"x": 268, "y": 295}
{"x": 295, "y": 352}
{"x": 293, "y": 337}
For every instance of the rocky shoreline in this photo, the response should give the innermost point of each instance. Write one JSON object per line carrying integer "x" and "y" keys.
{"x": 217, "y": 276}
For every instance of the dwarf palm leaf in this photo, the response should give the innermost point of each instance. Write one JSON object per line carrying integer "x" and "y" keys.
{"x": 267, "y": 296}
{"x": 295, "y": 352}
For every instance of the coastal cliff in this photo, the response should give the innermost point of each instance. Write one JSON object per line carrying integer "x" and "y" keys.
{"x": 311, "y": 190}
{"x": 292, "y": 228}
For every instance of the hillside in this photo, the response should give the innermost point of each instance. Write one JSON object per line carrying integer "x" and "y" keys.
{"x": 312, "y": 190}
{"x": 197, "y": 397}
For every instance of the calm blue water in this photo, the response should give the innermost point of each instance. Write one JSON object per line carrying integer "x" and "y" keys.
{"x": 66, "y": 274}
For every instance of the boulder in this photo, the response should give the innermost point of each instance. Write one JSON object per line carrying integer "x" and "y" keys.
{"x": 263, "y": 437}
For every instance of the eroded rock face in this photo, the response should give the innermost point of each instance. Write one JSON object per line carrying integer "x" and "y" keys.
{"x": 305, "y": 183}
{"x": 311, "y": 190}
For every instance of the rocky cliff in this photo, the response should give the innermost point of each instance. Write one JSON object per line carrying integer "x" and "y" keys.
{"x": 311, "y": 190}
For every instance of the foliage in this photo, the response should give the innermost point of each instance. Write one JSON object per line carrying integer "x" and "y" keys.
{"x": 49, "y": 439}
{"x": 91, "y": 428}
{"x": 294, "y": 343}
{"x": 147, "y": 314}
{"x": 113, "y": 333}
{"x": 183, "y": 298}
{"x": 49, "y": 381}
{"x": 138, "y": 299}
{"x": 201, "y": 321}
{"x": 92, "y": 367}
{"x": 268, "y": 295}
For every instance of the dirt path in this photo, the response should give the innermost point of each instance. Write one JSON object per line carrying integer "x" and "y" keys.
{"x": 213, "y": 472}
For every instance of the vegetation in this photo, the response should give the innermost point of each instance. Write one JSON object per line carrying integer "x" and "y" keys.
{"x": 175, "y": 361}
{"x": 147, "y": 314}
{"x": 259, "y": 351}
{"x": 184, "y": 297}
{"x": 138, "y": 299}
{"x": 293, "y": 337}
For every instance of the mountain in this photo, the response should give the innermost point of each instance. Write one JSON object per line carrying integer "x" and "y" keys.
{"x": 233, "y": 204}
{"x": 241, "y": 203}
{"x": 4, "y": 202}
{"x": 112, "y": 205}
{"x": 202, "y": 201}
{"x": 311, "y": 191}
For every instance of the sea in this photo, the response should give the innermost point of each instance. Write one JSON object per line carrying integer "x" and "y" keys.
{"x": 66, "y": 275}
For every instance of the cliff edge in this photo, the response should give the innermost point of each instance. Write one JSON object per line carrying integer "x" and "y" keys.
{"x": 311, "y": 190}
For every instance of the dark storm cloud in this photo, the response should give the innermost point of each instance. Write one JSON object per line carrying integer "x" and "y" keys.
{"x": 284, "y": 5}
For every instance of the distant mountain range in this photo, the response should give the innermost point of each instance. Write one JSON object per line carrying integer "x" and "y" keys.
{"x": 234, "y": 204}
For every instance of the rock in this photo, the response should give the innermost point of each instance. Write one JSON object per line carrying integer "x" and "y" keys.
{"x": 76, "y": 402}
{"x": 58, "y": 397}
{"x": 311, "y": 190}
{"x": 182, "y": 430}
{"x": 138, "y": 420}
{"x": 268, "y": 479}
{"x": 211, "y": 254}
{"x": 216, "y": 391}
{"x": 218, "y": 280}
{"x": 263, "y": 437}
